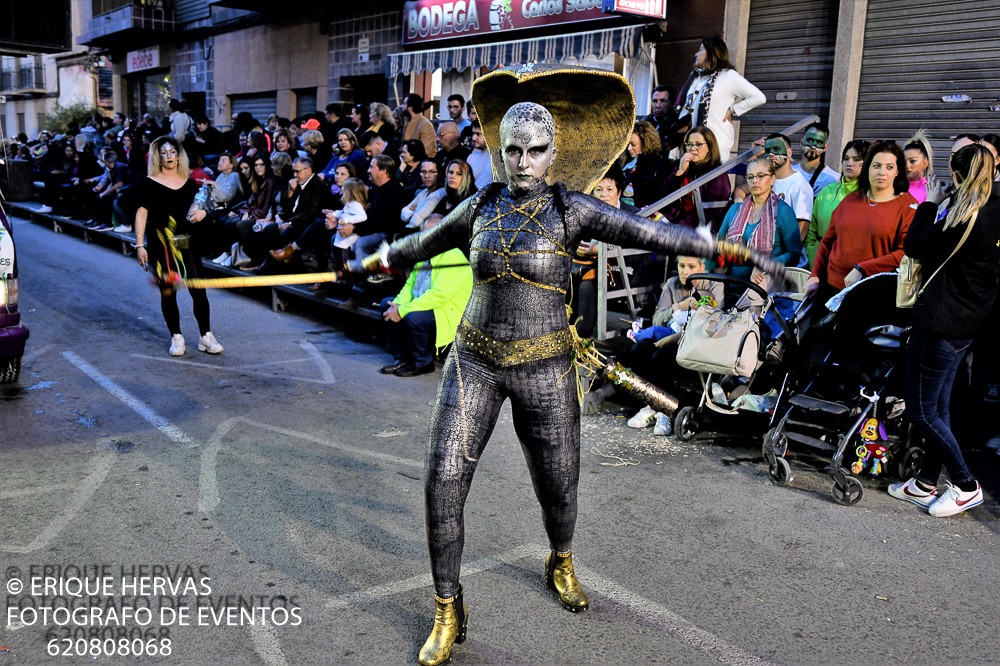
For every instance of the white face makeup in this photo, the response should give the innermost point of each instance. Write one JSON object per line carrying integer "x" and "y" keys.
{"x": 527, "y": 142}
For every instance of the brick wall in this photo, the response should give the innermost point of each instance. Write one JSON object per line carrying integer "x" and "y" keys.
{"x": 384, "y": 32}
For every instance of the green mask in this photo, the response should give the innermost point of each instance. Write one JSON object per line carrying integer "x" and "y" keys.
{"x": 814, "y": 139}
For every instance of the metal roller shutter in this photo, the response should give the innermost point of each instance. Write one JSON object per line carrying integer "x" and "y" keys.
{"x": 260, "y": 105}
{"x": 305, "y": 101}
{"x": 191, "y": 10}
{"x": 790, "y": 50}
{"x": 915, "y": 57}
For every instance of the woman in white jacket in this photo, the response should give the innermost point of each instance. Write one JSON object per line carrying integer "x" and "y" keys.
{"x": 714, "y": 93}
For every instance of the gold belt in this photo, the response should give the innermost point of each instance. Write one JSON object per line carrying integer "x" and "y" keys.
{"x": 515, "y": 352}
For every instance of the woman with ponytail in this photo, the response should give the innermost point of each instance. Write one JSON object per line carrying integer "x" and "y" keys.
{"x": 961, "y": 237}
{"x": 919, "y": 164}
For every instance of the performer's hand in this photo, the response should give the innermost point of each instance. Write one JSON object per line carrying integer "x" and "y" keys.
{"x": 143, "y": 257}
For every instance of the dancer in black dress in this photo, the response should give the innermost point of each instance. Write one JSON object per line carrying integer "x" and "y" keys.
{"x": 164, "y": 240}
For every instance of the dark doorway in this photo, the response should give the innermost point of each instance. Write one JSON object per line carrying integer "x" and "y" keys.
{"x": 194, "y": 104}
{"x": 365, "y": 89}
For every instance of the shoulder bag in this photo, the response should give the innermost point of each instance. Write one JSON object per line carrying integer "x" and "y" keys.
{"x": 910, "y": 282}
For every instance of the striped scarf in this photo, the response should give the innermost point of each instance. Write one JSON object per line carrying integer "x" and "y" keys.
{"x": 762, "y": 238}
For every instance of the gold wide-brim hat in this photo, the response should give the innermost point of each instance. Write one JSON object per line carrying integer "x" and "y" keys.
{"x": 594, "y": 113}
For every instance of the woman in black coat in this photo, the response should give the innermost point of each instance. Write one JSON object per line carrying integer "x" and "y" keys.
{"x": 950, "y": 310}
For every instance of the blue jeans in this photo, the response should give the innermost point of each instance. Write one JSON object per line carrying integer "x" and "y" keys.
{"x": 932, "y": 363}
{"x": 368, "y": 244}
{"x": 412, "y": 339}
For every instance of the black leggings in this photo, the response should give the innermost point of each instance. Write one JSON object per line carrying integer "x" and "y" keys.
{"x": 191, "y": 259}
{"x": 547, "y": 422}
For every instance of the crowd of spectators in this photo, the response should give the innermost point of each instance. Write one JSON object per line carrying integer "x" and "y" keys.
{"x": 309, "y": 194}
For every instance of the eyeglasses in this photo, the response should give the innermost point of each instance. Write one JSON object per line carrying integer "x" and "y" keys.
{"x": 696, "y": 146}
{"x": 754, "y": 178}
{"x": 298, "y": 171}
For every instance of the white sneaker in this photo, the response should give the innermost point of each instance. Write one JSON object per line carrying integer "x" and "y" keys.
{"x": 44, "y": 209}
{"x": 644, "y": 418}
{"x": 222, "y": 259}
{"x": 123, "y": 229}
{"x": 177, "y": 346}
{"x": 909, "y": 491}
{"x": 954, "y": 501}
{"x": 663, "y": 426}
{"x": 208, "y": 343}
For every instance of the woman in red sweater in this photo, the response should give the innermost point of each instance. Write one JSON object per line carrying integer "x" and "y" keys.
{"x": 868, "y": 227}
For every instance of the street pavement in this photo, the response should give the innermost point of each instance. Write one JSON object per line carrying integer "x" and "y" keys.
{"x": 279, "y": 486}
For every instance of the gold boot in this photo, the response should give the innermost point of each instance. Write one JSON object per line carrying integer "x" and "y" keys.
{"x": 451, "y": 619}
{"x": 561, "y": 579}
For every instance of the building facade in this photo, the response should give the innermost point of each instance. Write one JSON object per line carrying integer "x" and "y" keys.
{"x": 31, "y": 86}
{"x": 872, "y": 71}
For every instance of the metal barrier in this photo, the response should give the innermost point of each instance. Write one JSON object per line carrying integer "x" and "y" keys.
{"x": 618, "y": 254}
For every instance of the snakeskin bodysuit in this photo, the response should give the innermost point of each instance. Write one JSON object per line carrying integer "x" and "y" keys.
{"x": 520, "y": 250}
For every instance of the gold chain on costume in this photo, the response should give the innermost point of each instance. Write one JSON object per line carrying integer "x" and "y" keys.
{"x": 508, "y": 354}
{"x": 529, "y": 210}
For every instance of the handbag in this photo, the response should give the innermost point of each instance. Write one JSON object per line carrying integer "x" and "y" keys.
{"x": 910, "y": 282}
{"x": 721, "y": 342}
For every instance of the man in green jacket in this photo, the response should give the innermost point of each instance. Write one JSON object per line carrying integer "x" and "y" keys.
{"x": 424, "y": 315}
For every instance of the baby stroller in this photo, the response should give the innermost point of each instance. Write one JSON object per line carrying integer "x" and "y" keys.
{"x": 850, "y": 403}
{"x": 752, "y": 362}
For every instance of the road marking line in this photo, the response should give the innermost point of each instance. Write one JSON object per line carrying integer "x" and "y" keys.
{"x": 208, "y": 486}
{"x": 247, "y": 369}
{"x": 324, "y": 366}
{"x": 85, "y": 490}
{"x": 38, "y": 490}
{"x": 266, "y": 644}
{"x": 668, "y": 621}
{"x": 349, "y": 599}
{"x": 652, "y": 612}
{"x": 134, "y": 403}
{"x": 35, "y": 353}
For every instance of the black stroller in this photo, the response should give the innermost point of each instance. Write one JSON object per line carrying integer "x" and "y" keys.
{"x": 851, "y": 403}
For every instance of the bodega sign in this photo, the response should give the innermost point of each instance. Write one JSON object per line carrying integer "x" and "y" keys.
{"x": 136, "y": 61}
{"x": 429, "y": 20}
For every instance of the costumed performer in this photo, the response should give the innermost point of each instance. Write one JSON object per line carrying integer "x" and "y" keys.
{"x": 514, "y": 340}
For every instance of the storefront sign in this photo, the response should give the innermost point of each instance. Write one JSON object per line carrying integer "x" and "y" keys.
{"x": 428, "y": 20}
{"x": 656, "y": 9}
{"x": 136, "y": 61}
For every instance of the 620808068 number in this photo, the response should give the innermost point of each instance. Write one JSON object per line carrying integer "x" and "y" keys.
{"x": 109, "y": 647}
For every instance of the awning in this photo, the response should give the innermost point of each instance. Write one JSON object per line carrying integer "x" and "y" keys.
{"x": 624, "y": 41}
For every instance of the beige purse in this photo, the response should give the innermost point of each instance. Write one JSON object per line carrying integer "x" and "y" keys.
{"x": 910, "y": 282}
{"x": 722, "y": 342}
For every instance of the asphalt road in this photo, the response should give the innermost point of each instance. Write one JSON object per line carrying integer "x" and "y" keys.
{"x": 285, "y": 476}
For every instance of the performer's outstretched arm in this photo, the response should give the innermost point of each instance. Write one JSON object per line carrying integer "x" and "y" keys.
{"x": 451, "y": 232}
{"x": 596, "y": 219}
